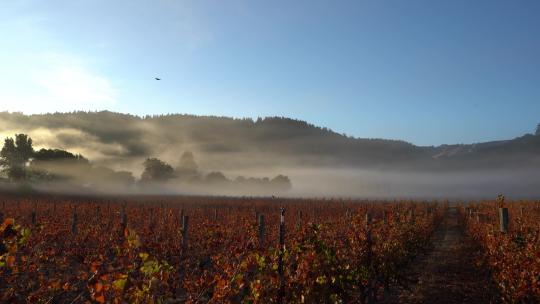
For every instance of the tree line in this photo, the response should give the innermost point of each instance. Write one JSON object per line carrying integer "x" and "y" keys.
{"x": 19, "y": 162}
{"x": 187, "y": 173}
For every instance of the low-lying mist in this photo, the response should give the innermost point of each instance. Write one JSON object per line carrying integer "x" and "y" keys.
{"x": 325, "y": 182}
{"x": 420, "y": 185}
{"x": 263, "y": 157}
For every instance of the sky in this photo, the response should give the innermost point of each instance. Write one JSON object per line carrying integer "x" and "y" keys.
{"x": 428, "y": 72}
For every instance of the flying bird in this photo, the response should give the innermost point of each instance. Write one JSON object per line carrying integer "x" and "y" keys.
{"x": 157, "y": 78}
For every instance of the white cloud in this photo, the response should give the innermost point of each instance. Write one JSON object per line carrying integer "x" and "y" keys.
{"x": 55, "y": 82}
{"x": 70, "y": 85}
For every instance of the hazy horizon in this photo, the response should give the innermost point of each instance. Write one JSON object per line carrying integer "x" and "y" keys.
{"x": 318, "y": 162}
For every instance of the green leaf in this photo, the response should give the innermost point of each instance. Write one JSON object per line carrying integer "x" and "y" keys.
{"x": 144, "y": 256}
{"x": 25, "y": 234}
{"x": 119, "y": 284}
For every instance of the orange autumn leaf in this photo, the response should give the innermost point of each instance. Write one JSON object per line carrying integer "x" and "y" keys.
{"x": 10, "y": 261}
{"x": 7, "y": 222}
{"x": 98, "y": 287}
{"x": 100, "y": 298}
{"x": 94, "y": 267}
{"x": 55, "y": 285}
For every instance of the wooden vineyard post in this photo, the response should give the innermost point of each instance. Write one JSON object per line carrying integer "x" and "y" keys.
{"x": 281, "y": 293}
{"x": 521, "y": 219}
{"x": 98, "y": 212}
{"x": 74, "y": 222}
{"x": 34, "y": 215}
{"x": 368, "y": 235}
{"x": 300, "y": 219}
{"x": 215, "y": 214}
{"x": 385, "y": 216}
{"x": 368, "y": 221}
{"x": 503, "y": 220}
{"x": 185, "y": 227}
{"x": 369, "y": 250}
{"x": 261, "y": 230}
{"x": 123, "y": 221}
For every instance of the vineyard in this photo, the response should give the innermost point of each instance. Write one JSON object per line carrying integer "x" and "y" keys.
{"x": 207, "y": 250}
{"x": 254, "y": 250}
{"x": 508, "y": 236}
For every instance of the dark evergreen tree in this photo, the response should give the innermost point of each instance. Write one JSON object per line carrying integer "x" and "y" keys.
{"x": 15, "y": 155}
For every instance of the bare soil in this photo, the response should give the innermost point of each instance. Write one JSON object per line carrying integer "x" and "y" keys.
{"x": 448, "y": 273}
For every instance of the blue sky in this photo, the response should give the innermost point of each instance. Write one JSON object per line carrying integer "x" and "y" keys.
{"x": 428, "y": 72}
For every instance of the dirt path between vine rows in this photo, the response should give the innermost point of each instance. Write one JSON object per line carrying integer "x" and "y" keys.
{"x": 448, "y": 273}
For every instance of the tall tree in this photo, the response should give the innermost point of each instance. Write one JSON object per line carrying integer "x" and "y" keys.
{"x": 156, "y": 170}
{"x": 15, "y": 155}
{"x": 537, "y": 130}
{"x": 187, "y": 167}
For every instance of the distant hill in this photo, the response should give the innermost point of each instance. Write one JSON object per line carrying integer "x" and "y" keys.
{"x": 123, "y": 141}
{"x": 520, "y": 152}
